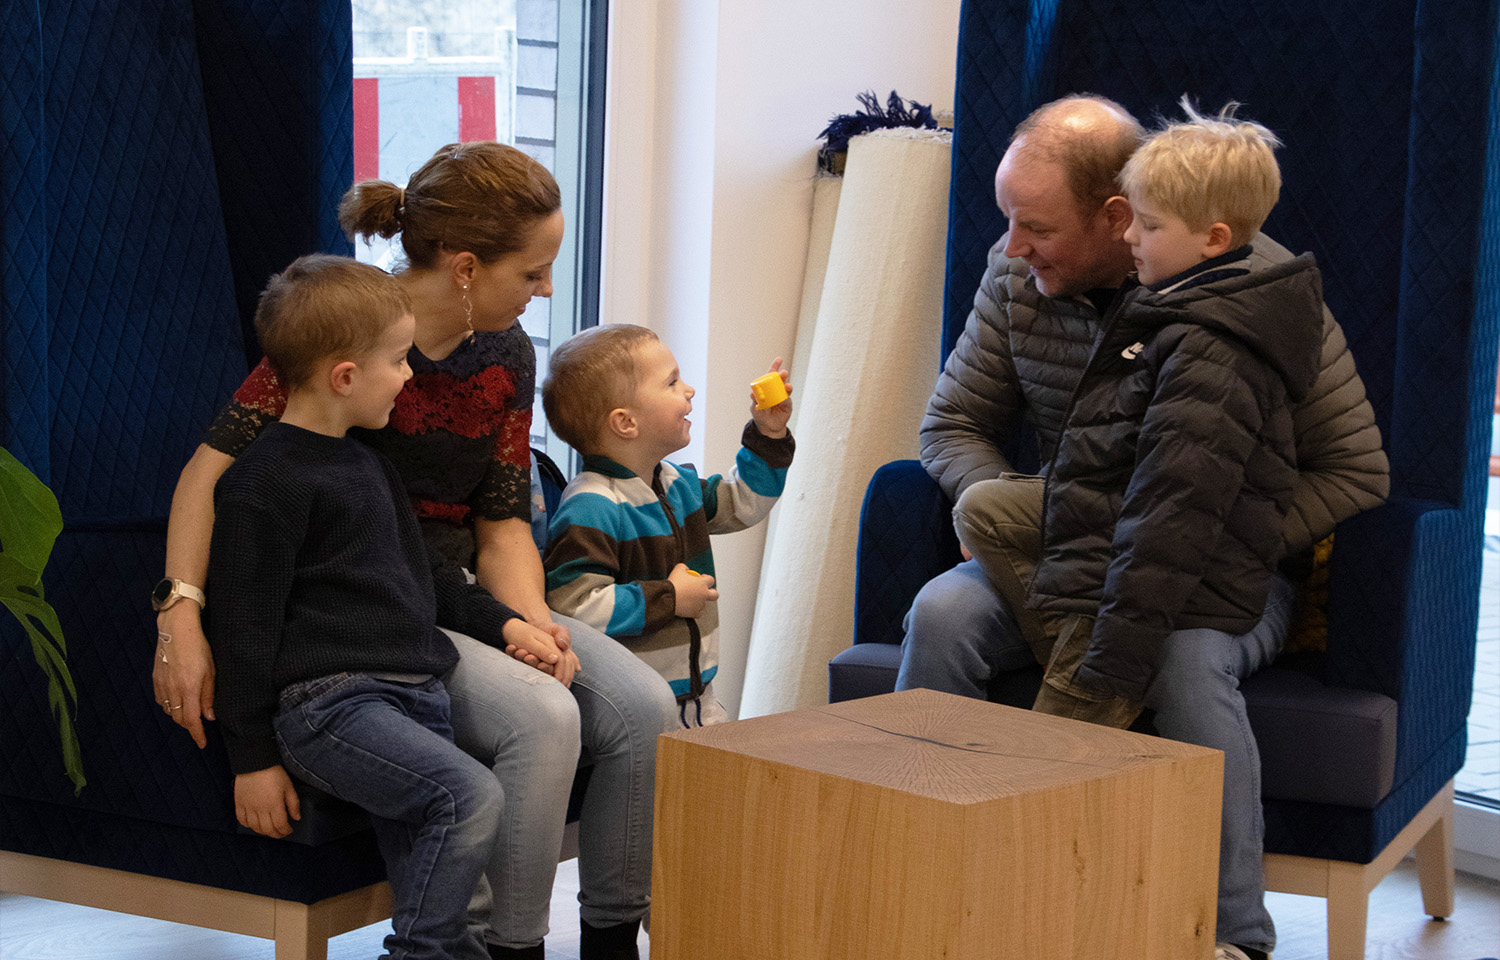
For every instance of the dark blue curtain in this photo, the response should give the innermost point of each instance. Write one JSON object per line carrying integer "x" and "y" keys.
{"x": 159, "y": 159}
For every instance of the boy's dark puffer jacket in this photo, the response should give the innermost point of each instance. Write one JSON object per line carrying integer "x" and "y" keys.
{"x": 1177, "y": 464}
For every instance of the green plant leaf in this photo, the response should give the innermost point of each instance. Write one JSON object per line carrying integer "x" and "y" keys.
{"x": 45, "y": 633}
{"x": 30, "y": 519}
{"x": 30, "y": 522}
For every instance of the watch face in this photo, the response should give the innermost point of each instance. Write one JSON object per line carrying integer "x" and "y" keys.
{"x": 160, "y": 593}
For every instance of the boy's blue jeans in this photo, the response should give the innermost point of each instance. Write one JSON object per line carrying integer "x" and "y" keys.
{"x": 388, "y": 747}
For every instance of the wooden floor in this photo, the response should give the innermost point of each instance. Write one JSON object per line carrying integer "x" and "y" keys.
{"x": 43, "y": 930}
{"x": 33, "y": 929}
{"x": 1398, "y": 929}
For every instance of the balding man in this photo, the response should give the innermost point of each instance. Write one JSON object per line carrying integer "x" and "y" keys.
{"x": 1050, "y": 281}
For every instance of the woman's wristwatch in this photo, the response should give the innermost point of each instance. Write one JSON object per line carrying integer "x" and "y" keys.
{"x": 169, "y": 591}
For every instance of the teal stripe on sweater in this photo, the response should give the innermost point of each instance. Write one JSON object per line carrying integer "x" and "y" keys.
{"x": 759, "y": 476}
{"x": 679, "y": 687}
{"x": 711, "y": 496}
{"x": 628, "y": 618}
{"x": 565, "y": 573}
{"x": 702, "y": 563}
{"x": 601, "y": 513}
{"x": 686, "y": 491}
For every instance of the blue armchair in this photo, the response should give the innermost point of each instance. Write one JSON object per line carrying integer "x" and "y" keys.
{"x": 1407, "y": 231}
{"x": 135, "y": 233}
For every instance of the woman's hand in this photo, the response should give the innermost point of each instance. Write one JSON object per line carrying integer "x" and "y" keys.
{"x": 560, "y": 634}
{"x": 183, "y": 673}
{"x": 538, "y": 648}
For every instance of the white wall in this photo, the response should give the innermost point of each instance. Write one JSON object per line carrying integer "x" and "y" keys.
{"x": 713, "y": 121}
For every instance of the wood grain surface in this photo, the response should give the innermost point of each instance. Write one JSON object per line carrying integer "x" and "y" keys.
{"x": 920, "y": 824}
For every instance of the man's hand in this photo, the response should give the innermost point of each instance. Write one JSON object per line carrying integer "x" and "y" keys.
{"x": 182, "y": 677}
{"x": 771, "y": 422}
{"x": 263, "y": 801}
{"x": 694, "y": 590}
{"x": 538, "y": 648}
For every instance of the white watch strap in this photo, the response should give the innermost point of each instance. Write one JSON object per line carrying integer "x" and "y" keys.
{"x": 191, "y": 592}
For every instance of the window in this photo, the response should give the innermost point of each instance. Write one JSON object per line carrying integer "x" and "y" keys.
{"x": 524, "y": 72}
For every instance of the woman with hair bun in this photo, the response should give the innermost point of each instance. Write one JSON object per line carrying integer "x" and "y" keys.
{"x": 480, "y": 225}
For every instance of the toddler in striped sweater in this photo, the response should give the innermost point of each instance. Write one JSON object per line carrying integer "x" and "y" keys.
{"x": 628, "y": 549}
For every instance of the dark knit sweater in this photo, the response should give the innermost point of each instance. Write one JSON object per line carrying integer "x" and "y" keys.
{"x": 318, "y": 567}
{"x": 460, "y": 434}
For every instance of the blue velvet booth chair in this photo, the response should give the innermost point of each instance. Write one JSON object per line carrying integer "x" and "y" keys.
{"x": 1391, "y": 178}
{"x": 161, "y": 159}
{"x": 127, "y": 270}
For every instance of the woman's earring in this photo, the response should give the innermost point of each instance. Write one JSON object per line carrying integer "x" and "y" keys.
{"x": 468, "y": 309}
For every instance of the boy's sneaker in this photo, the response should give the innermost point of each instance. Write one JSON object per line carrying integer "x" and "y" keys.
{"x": 1228, "y": 951}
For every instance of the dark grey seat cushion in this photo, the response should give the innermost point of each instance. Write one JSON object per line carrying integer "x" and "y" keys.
{"x": 863, "y": 670}
{"x": 1319, "y": 743}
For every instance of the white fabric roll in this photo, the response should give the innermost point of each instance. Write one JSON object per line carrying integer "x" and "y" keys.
{"x": 826, "y": 191}
{"x": 825, "y": 208}
{"x": 860, "y": 397}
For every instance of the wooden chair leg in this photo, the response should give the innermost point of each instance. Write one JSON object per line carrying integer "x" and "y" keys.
{"x": 1348, "y": 911}
{"x": 1435, "y": 865}
{"x": 1347, "y": 886}
{"x": 296, "y": 936}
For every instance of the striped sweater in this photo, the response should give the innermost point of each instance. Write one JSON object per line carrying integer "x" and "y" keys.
{"x": 615, "y": 538}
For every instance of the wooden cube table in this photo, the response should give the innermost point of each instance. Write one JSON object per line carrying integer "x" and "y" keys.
{"x": 924, "y": 825}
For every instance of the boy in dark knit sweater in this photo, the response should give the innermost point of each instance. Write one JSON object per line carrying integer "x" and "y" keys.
{"x": 628, "y": 550}
{"x": 324, "y": 631}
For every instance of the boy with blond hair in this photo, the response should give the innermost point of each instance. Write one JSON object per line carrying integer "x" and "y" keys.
{"x": 628, "y": 551}
{"x": 1167, "y": 499}
{"x": 326, "y": 607}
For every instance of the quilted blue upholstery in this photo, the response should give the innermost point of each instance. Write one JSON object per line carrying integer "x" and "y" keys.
{"x": 121, "y": 338}
{"x": 23, "y": 245}
{"x": 279, "y": 89}
{"x": 1392, "y": 177}
{"x": 102, "y": 398}
{"x": 892, "y": 570}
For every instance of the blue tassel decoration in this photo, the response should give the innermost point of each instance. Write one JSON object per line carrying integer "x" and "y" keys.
{"x": 895, "y": 113}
